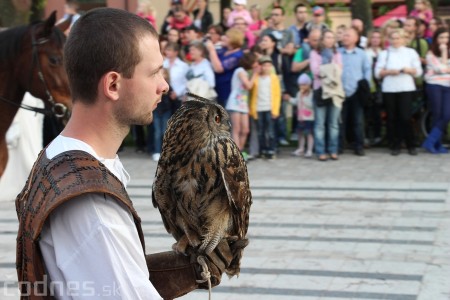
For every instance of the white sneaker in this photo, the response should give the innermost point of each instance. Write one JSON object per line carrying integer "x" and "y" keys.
{"x": 283, "y": 142}
{"x": 156, "y": 156}
{"x": 298, "y": 152}
{"x": 377, "y": 140}
{"x": 308, "y": 154}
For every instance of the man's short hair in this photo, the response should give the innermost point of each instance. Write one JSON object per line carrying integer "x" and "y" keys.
{"x": 415, "y": 19}
{"x": 280, "y": 8}
{"x": 298, "y": 6}
{"x": 103, "y": 40}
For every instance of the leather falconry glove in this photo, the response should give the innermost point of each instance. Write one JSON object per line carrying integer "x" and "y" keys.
{"x": 174, "y": 275}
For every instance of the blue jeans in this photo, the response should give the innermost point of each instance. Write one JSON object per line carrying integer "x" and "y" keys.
{"x": 266, "y": 132}
{"x": 439, "y": 104}
{"x": 326, "y": 116}
{"x": 281, "y": 125}
{"x": 160, "y": 126}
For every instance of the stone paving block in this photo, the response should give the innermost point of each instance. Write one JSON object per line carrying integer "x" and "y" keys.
{"x": 320, "y": 247}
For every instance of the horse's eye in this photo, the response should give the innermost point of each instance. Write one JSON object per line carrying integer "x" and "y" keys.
{"x": 54, "y": 60}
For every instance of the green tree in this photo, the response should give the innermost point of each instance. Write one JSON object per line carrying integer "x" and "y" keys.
{"x": 14, "y": 12}
{"x": 361, "y": 9}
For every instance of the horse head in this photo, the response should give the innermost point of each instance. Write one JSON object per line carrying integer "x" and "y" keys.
{"x": 47, "y": 77}
{"x": 31, "y": 60}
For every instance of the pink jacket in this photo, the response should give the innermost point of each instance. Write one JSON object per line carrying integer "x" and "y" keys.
{"x": 315, "y": 60}
{"x": 245, "y": 14}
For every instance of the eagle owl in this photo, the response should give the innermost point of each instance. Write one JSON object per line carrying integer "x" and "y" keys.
{"x": 201, "y": 185}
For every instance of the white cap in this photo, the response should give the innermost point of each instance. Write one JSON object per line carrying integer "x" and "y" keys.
{"x": 240, "y": 2}
{"x": 304, "y": 79}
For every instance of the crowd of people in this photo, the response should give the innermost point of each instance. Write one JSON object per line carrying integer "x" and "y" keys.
{"x": 342, "y": 90}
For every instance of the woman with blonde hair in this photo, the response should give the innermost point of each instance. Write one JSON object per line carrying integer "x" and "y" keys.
{"x": 397, "y": 67}
{"x": 387, "y": 28}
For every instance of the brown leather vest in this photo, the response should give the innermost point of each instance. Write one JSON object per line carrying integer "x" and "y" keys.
{"x": 50, "y": 184}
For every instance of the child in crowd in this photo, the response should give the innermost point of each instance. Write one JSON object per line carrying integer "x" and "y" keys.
{"x": 423, "y": 11}
{"x": 147, "y": 11}
{"x": 239, "y": 11}
{"x": 305, "y": 116}
{"x": 265, "y": 104}
{"x": 237, "y": 104}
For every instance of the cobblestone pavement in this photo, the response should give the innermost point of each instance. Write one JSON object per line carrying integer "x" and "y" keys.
{"x": 373, "y": 227}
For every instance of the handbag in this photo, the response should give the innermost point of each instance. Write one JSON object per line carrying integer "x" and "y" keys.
{"x": 318, "y": 99}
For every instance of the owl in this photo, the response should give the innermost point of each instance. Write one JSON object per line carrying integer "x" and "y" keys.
{"x": 201, "y": 185}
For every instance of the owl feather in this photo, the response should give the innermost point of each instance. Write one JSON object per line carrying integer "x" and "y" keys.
{"x": 201, "y": 185}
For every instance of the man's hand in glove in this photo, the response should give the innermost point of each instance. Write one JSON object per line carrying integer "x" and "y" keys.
{"x": 174, "y": 275}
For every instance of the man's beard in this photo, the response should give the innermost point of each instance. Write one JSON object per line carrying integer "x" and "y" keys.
{"x": 123, "y": 116}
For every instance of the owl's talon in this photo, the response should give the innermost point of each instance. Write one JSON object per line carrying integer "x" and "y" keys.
{"x": 181, "y": 246}
{"x": 232, "y": 238}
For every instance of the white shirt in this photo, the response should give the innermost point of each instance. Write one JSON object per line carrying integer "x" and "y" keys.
{"x": 90, "y": 244}
{"x": 397, "y": 59}
{"x": 264, "y": 98}
{"x": 363, "y": 42}
{"x": 202, "y": 70}
{"x": 177, "y": 71}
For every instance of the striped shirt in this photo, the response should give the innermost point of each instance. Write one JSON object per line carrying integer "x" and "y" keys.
{"x": 437, "y": 72}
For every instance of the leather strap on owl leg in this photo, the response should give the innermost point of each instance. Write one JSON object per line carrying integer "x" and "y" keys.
{"x": 174, "y": 275}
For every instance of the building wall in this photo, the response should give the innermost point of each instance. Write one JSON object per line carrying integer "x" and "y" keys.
{"x": 52, "y": 5}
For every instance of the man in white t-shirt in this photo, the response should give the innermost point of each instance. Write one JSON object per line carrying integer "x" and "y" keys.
{"x": 79, "y": 235}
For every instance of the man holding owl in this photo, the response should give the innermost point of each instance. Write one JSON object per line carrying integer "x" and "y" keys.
{"x": 79, "y": 234}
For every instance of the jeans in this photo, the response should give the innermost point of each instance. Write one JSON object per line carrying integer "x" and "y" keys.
{"x": 281, "y": 122}
{"x": 399, "y": 127}
{"x": 160, "y": 126}
{"x": 353, "y": 108}
{"x": 254, "y": 142}
{"x": 439, "y": 104}
{"x": 326, "y": 116}
{"x": 266, "y": 132}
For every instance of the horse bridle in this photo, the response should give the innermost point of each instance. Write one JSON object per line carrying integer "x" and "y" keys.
{"x": 59, "y": 110}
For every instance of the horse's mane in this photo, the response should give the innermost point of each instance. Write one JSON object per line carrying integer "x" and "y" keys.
{"x": 11, "y": 40}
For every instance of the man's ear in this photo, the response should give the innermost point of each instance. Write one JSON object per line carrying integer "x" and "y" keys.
{"x": 110, "y": 85}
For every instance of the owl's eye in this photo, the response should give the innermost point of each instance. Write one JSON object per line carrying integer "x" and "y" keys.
{"x": 217, "y": 119}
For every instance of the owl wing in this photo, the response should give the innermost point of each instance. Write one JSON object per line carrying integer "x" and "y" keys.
{"x": 162, "y": 198}
{"x": 235, "y": 179}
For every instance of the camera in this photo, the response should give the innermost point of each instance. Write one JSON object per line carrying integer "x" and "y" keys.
{"x": 206, "y": 38}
